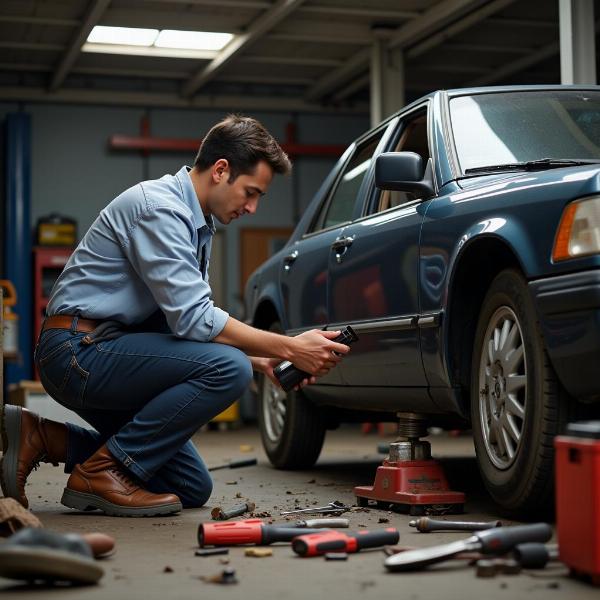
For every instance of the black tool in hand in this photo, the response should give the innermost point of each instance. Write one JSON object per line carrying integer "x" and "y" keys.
{"x": 425, "y": 525}
{"x": 493, "y": 541}
{"x": 290, "y": 376}
{"x": 235, "y": 464}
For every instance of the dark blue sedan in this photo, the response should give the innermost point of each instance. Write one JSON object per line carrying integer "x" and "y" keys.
{"x": 461, "y": 240}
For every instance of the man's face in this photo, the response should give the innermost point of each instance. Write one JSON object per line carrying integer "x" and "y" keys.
{"x": 228, "y": 201}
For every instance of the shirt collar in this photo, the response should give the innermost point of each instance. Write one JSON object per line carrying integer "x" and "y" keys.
{"x": 191, "y": 200}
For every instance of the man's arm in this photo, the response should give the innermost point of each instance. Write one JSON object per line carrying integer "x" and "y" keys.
{"x": 311, "y": 351}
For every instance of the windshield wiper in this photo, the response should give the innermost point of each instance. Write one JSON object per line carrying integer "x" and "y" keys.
{"x": 534, "y": 165}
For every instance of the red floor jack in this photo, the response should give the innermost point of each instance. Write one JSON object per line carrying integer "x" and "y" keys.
{"x": 409, "y": 477}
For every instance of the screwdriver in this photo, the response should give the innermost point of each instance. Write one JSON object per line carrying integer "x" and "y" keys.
{"x": 249, "y": 531}
{"x": 492, "y": 541}
{"x": 323, "y": 542}
{"x": 235, "y": 464}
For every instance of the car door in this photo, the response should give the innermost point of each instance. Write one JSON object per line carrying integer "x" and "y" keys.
{"x": 374, "y": 273}
{"x": 304, "y": 266}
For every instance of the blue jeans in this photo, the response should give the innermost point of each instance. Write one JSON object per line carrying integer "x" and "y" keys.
{"x": 145, "y": 395}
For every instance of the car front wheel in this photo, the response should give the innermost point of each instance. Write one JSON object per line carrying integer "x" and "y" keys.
{"x": 292, "y": 428}
{"x": 517, "y": 404}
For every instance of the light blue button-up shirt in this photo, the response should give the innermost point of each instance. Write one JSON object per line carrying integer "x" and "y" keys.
{"x": 143, "y": 252}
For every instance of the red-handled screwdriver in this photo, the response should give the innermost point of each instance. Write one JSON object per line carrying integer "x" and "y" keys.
{"x": 315, "y": 544}
{"x": 249, "y": 531}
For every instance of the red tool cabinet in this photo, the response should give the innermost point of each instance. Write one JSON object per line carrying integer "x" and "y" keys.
{"x": 578, "y": 498}
{"x": 48, "y": 262}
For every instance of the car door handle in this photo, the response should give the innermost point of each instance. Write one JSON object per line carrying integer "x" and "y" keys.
{"x": 340, "y": 246}
{"x": 342, "y": 243}
{"x": 288, "y": 259}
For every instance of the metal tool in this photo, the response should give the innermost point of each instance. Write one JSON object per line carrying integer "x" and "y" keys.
{"x": 334, "y": 507}
{"x": 486, "y": 567}
{"x": 236, "y": 464}
{"x": 327, "y": 523}
{"x": 218, "y": 514}
{"x": 493, "y": 541}
{"x": 535, "y": 556}
{"x": 425, "y": 525}
{"x": 316, "y": 544}
{"x": 250, "y": 531}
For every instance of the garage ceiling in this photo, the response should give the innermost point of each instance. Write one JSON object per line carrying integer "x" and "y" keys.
{"x": 286, "y": 54}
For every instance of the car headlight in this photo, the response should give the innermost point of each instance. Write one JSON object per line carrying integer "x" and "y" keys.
{"x": 579, "y": 230}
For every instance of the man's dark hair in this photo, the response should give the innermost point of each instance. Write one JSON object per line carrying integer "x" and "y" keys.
{"x": 243, "y": 142}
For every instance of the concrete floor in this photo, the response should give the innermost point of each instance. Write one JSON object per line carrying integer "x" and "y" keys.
{"x": 154, "y": 557}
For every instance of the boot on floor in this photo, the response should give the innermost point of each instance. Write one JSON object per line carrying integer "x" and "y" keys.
{"x": 28, "y": 440}
{"x": 103, "y": 483}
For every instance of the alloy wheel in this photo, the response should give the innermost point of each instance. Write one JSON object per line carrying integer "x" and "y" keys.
{"x": 274, "y": 410}
{"x": 502, "y": 387}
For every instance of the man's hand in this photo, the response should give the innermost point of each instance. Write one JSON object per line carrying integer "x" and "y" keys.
{"x": 266, "y": 366}
{"x": 313, "y": 351}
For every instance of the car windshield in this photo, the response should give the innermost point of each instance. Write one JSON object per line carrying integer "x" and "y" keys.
{"x": 515, "y": 127}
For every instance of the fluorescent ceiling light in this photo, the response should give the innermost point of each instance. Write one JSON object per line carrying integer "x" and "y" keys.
{"x": 152, "y": 42}
{"x": 131, "y": 36}
{"x": 192, "y": 40}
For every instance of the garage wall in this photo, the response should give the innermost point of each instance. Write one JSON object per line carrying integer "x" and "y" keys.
{"x": 74, "y": 173}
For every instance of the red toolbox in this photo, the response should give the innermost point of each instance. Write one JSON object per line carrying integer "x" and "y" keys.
{"x": 578, "y": 498}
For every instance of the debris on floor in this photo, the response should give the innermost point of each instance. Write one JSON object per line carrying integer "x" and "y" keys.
{"x": 225, "y": 577}
{"x": 219, "y": 514}
{"x": 258, "y": 552}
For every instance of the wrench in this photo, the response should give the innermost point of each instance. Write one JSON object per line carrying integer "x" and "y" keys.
{"x": 332, "y": 507}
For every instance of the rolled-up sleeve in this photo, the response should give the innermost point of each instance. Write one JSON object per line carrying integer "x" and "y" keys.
{"x": 160, "y": 247}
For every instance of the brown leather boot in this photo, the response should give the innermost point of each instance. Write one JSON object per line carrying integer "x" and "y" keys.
{"x": 28, "y": 440}
{"x": 104, "y": 483}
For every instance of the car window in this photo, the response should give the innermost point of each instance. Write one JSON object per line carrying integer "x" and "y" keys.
{"x": 340, "y": 205}
{"x": 412, "y": 138}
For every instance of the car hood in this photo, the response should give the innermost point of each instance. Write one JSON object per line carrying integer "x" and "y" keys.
{"x": 585, "y": 179}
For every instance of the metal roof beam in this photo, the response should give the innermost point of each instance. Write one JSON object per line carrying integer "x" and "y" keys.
{"x": 40, "y": 46}
{"x": 431, "y": 20}
{"x": 322, "y": 38}
{"x": 463, "y": 24}
{"x": 367, "y": 13}
{"x": 516, "y": 65}
{"x": 151, "y": 99}
{"x": 94, "y": 13}
{"x": 39, "y": 20}
{"x": 264, "y": 23}
{"x": 435, "y": 17}
{"x": 252, "y": 4}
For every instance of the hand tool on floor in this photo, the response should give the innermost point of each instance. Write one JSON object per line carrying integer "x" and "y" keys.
{"x": 235, "y": 464}
{"x": 218, "y": 514}
{"x": 323, "y": 542}
{"x": 535, "y": 555}
{"x": 327, "y": 523}
{"x": 250, "y": 531}
{"x": 492, "y": 541}
{"x": 290, "y": 376}
{"x": 490, "y": 567}
{"x": 334, "y": 507}
{"x": 425, "y": 525}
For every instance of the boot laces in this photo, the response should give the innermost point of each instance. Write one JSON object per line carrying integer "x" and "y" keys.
{"x": 124, "y": 477}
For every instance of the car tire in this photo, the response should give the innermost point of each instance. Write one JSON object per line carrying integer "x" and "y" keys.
{"x": 292, "y": 428}
{"x": 517, "y": 403}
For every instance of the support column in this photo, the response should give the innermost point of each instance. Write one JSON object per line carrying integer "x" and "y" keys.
{"x": 17, "y": 236}
{"x": 387, "y": 79}
{"x": 377, "y": 62}
{"x": 577, "y": 42}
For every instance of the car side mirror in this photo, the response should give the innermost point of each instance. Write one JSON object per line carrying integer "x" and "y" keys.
{"x": 404, "y": 172}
